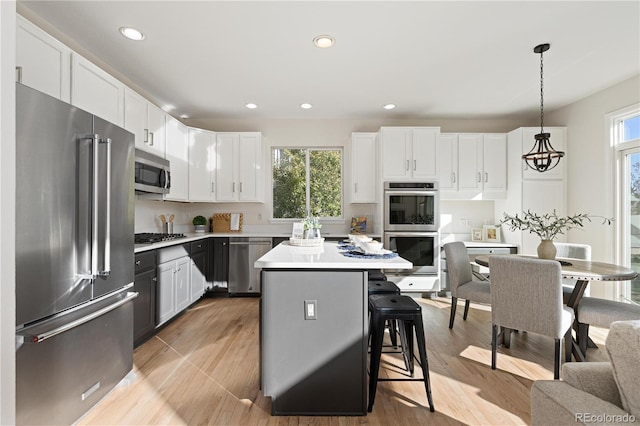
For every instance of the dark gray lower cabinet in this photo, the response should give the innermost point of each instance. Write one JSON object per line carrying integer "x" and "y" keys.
{"x": 220, "y": 273}
{"x": 144, "y": 306}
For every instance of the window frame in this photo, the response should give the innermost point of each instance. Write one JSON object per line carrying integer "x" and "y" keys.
{"x": 308, "y": 149}
{"x": 620, "y": 147}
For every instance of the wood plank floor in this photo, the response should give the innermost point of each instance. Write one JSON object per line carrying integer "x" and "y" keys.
{"x": 203, "y": 369}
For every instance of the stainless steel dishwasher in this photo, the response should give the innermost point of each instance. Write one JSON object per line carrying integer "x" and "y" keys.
{"x": 244, "y": 279}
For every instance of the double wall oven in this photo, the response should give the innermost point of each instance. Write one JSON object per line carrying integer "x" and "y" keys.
{"x": 411, "y": 224}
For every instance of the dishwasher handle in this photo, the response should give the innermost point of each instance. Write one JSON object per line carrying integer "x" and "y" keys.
{"x": 250, "y": 243}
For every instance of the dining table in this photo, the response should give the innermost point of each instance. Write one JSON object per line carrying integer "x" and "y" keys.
{"x": 584, "y": 272}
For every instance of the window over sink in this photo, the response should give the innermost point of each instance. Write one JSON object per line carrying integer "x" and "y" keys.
{"x": 307, "y": 181}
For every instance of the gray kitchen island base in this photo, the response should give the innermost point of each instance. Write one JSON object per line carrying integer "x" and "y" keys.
{"x": 314, "y": 341}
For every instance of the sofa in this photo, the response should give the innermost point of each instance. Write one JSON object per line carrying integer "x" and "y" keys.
{"x": 595, "y": 393}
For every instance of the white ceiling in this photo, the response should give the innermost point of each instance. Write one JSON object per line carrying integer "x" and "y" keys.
{"x": 433, "y": 59}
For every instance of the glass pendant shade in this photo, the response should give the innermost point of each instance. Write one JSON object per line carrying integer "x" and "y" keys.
{"x": 542, "y": 156}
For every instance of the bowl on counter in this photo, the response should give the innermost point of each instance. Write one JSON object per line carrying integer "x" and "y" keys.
{"x": 372, "y": 246}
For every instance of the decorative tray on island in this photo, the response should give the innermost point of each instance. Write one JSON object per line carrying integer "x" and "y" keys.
{"x": 306, "y": 242}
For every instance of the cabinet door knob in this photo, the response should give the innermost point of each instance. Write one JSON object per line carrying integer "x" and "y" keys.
{"x": 415, "y": 162}
{"x": 146, "y": 136}
{"x": 478, "y": 177}
{"x": 453, "y": 177}
{"x": 19, "y": 74}
{"x": 138, "y": 263}
{"x": 154, "y": 279}
{"x": 486, "y": 177}
{"x": 150, "y": 138}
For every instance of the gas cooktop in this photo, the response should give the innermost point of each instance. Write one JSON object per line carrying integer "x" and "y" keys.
{"x": 155, "y": 237}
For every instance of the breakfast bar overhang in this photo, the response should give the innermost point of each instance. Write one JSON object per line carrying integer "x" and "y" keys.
{"x": 314, "y": 329}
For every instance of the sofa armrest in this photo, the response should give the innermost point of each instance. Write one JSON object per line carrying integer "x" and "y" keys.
{"x": 595, "y": 378}
{"x": 558, "y": 403}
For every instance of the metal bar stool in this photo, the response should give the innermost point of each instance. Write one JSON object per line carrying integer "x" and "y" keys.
{"x": 402, "y": 308}
{"x": 385, "y": 287}
{"x": 376, "y": 275}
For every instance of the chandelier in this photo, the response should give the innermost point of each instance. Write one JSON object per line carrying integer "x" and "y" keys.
{"x": 542, "y": 156}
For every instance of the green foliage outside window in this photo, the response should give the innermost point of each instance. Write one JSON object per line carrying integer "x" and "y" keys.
{"x": 290, "y": 183}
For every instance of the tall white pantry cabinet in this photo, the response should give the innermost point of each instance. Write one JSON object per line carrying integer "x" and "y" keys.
{"x": 531, "y": 190}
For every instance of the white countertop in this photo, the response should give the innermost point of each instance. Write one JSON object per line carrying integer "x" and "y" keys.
{"x": 194, "y": 236}
{"x": 324, "y": 257}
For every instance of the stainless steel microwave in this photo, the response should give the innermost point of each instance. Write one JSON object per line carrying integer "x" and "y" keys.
{"x": 152, "y": 173}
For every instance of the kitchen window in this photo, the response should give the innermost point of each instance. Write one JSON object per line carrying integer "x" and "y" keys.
{"x": 307, "y": 181}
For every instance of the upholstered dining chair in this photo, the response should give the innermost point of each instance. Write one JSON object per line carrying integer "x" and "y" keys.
{"x": 526, "y": 295}
{"x": 572, "y": 251}
{"x": 461, "y": 282}
{"x": 601, "y": 313}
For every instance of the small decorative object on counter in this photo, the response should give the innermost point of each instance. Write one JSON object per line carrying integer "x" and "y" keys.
{"x": 200, "y": 223}
{"x": 311, "y": 228}
{"x": 547, "y": 226}
{"x": 358, "y": 225}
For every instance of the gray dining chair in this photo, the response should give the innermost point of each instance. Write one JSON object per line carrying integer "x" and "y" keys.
{"x": 571, "y": 251}
{"x": 601, "y": 313}
{"x": 526, "y": 295}
{"x": 461, "y": 280}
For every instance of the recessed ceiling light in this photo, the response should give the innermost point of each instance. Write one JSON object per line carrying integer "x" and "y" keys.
{"x": 184, "y": 116}
{"x": 324, "y": 41}
{"x": 251, "y": 106}
{"x": 305, "y": 106}
{"x": 389, "y": 106}
{"x": 131, "y": 33}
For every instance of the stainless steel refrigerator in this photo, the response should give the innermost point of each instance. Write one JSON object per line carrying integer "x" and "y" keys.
{"x": 74, "y": 258}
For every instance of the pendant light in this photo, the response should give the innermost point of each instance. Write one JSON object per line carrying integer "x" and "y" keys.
{"x": 542, "y": 156}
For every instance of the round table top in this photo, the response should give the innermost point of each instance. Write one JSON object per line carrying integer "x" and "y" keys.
{"x": 580, "y": 269}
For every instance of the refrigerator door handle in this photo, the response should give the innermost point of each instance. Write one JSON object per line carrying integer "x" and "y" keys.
{"x": 95, "y": 205}
{"x": 106, "y": 265}
{"x": 40, "y": 337}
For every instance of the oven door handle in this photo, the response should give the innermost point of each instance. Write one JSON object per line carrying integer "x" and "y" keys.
{"x": 413, "y": 192}
{"x": 411, "y": 234}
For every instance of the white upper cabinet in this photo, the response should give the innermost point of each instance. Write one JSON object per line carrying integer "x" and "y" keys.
{"x": 135, "y": 117}
{"x": 177, "y": 152}
{"x": 364, "y": 165}
{"x": 448, "y": 162}
{"x": 146, "y": 121}
{"x": 239, "y": 169}
{"x": 470, "y": 162}
{"x": 250, "y": 167}
{"x": 409, "y": 152}
{"x": 472, "y": 165}
{"x": 42, "y": 62}
{"x": 202, "y": 165}
{"x": 494, "y": 154}
{"x": 557, "y": 138}
{"x": 95, "y": 91}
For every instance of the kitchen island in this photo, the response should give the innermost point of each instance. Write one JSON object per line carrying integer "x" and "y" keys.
{"x": 314, "y": 327}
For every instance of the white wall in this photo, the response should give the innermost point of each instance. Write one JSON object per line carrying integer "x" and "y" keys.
{"x": 7, "y": 212}
{"x": 590, "y": 161}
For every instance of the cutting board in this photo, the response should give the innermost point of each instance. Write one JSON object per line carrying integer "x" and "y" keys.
{"x": 222, "y": 222}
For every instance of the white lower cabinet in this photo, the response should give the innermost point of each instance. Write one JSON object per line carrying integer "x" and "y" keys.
{"x": 174, "y": 293}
